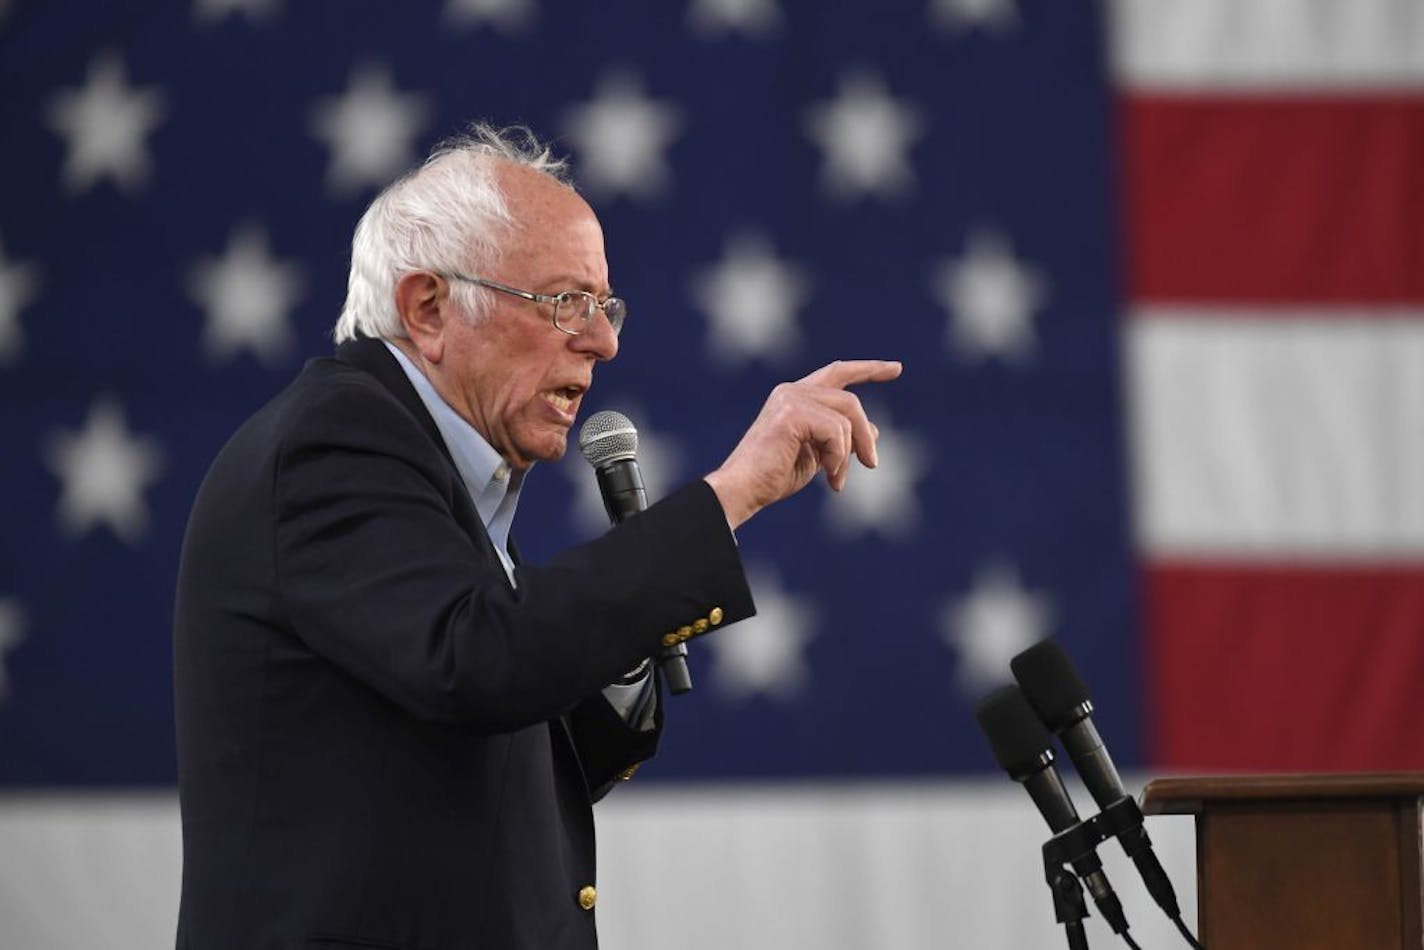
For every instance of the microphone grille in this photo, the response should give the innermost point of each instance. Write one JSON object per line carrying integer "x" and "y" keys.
{"x": 1015, "y": 733}
{"x": 608, "y": 436}
{"x": 1052, "y": 683}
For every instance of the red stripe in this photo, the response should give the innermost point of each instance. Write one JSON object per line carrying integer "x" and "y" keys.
{"x": 1262, "y": 200}
{"x": 1267, "y": 668}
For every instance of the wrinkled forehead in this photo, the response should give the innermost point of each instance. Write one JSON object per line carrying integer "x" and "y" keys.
{"x": 552, "y": 228}
{"x": 537, "y": 200}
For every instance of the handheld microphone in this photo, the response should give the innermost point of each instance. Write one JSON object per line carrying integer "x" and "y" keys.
{"x": 609, "y": 442}
{"x": 1024, "y": 749}
{"x": 1058, "y": 694}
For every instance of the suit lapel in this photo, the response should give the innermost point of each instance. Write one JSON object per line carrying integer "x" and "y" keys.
{"x": 373, "y": 357}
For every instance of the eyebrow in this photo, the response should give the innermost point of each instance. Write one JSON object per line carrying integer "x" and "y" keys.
{"x": 568, "y": 282}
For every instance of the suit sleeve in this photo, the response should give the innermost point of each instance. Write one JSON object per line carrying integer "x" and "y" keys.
{"x": 376, "y": 574}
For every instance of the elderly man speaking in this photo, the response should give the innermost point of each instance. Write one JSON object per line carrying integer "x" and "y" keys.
{"x": 390, "y": 730}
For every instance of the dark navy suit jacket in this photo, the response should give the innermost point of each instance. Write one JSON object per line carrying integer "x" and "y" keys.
{"x": 382, "y": 743}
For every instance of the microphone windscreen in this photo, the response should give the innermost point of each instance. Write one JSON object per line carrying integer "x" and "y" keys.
{"x": 1052, "y": 683}
{"x": 1020, "y": 742}
{"x": 608, "y": 436}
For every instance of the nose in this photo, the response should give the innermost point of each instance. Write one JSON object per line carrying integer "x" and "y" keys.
{"x": 597, "y": 338}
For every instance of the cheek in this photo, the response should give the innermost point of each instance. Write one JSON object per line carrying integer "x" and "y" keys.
{"x": 510, "y": 390}
{"x": 521, "y": 399}
{"x": 526, "y": 391}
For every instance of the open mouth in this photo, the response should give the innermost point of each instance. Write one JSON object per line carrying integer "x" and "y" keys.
{"x": 563, "y": 399}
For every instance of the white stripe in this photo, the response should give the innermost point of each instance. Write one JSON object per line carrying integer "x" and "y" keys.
{"x": 1258, "y": 436}
{"x": 846, "y": 868}
{"x": 1268, "y": 44}
{"x": 946, "y": 864}
{"x": 89, "y": 871}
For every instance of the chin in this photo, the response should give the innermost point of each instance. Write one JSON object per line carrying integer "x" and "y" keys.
{"x": 550, "y": 451}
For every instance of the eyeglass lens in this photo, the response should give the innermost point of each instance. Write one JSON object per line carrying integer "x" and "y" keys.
{"x": 573, "y": 311}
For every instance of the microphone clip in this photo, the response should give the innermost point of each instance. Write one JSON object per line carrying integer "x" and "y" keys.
{"x": 1071, "y": 846}
{"x": 1069, "y": 908}
{"x": 1120, "y": 818}
{"x": 1074, "y": 849}
{"x": 1076, "y": 843}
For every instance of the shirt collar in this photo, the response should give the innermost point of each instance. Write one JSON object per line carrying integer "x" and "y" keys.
{"x": 492, "y": 484}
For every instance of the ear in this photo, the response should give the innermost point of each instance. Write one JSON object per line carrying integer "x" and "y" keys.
{"x": 420, "y": 299}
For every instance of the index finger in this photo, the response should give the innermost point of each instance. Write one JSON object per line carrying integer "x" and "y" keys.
{"x": 844, "y": 373}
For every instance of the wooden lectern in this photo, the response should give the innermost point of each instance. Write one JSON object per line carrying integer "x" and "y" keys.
{"x": 1303, "y": 862}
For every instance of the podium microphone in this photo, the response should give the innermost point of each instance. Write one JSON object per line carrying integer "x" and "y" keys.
{"x": 1024, "y": 749}
{"x": 1058, "y": 694}
{"x": 609, "y": 442}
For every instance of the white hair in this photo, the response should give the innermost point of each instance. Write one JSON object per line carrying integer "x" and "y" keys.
{"x": 449, "y": 215}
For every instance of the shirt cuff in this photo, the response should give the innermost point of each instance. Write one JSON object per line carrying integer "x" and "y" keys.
{"x": 634, "y": 702}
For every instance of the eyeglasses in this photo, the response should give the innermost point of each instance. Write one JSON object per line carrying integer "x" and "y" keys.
{"x": 573, "y": 309}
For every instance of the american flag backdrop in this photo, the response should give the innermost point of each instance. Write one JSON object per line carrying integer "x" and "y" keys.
{"x": 1155, "y": 269}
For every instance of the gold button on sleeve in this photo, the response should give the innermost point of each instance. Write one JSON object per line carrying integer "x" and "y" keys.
{"x": 700, "y": 625}
{"x": 671, "y": 639}
{"x": 714, "y": 616}
{"x": 588, "y": 896}
{"x": 629, "y": 772}
{"x": 683, "y": 633}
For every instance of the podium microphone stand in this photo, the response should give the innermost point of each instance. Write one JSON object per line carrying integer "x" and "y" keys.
{"x": 1072, "y": 844}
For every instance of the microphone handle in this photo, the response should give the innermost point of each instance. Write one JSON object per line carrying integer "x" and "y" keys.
{"x": 1090, "y": 757}
{"x": 1095, "y": 767}
{"x": 673, "y": 662}
{"x": 621, "y": 485}
{"x": 620, "y": 482}
{"x": 1045, "y": 787}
